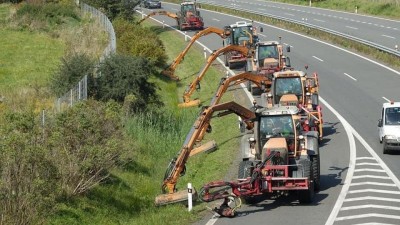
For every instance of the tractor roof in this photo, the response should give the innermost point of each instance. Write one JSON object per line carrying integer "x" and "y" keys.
{"x": 280, "y": 110}
{"x": 241, "y": 24}
{"x": 268, "y": 43}
{"x": 289, "y": 73}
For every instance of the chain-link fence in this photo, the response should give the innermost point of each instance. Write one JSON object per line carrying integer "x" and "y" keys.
{"x": 79, "y": 92}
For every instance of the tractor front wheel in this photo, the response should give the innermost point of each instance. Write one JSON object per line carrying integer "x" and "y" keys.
{"x": 306, "y": 196}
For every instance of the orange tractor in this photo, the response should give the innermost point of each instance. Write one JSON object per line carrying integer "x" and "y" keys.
{"x": 188, "y": 18}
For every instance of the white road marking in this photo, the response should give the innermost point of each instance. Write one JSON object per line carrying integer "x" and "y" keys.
{"x": 374, "y": 224}
{"x": 367, "y": 215}
{"x": 263, "y": 35}
{"x": 370, "y": 206}
{"x": 376, "y": 191}
{"x": 354, "y": 28}
{"x": 383, "y": 35}
{"x": 216, "y": 19}
{"x": 386, "y": 99}
{"x": 315, "y": 57}
{"x": 350, "y": 76}
{"x": 360, "y": 158}
{"x": 371, "y": 176}
{"x": 369, "y": 170}
{"x": 373, "y": 183}
{"x": 371, "y": 198}
{"x": 365, "y": 163}
{"x": 289, "y": 14}
{"x": 319, "y": 20}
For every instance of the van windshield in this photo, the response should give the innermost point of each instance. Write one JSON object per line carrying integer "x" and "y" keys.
{"x": 392, "y": 116}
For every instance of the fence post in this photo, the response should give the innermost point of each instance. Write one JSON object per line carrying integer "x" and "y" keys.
{"x": 190, "y": 200}
{"x": 205, "y": 53}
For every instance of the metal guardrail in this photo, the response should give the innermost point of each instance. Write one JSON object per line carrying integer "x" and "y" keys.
{"x": 352, "y": 38}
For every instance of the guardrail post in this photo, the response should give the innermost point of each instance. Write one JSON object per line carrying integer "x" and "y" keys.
{"x": 163, "y": 24}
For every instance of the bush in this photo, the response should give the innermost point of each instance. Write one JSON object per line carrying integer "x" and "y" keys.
{"x": 72, "y": 69}
{"x": 28, "y": 178}
{"x": 113, "y": 8}
{"x": 87, "y": 140}
{"x": 139, "y": 41}
{"x": 120, "y": 76}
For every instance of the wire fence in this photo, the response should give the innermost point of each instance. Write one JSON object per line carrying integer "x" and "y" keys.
{"x": 80, "y": 90}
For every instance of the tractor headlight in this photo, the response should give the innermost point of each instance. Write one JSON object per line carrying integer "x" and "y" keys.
{"x": 390, "y": 137}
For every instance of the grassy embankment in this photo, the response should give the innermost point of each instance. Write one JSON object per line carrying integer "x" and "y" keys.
{"x": 128, "y": 197}
{"x": 371, "y": 52}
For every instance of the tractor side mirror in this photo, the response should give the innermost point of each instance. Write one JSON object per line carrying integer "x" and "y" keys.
{"x": 288, "y": 48}
{"x": 380, "y": 123}
{"x": 287, "y": 62}
{"x": 261, "y": 29}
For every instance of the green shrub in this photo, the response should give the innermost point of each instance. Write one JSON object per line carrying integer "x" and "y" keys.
{"x": 139, "y": 41}
{"x": 72, "y": 69}
{"x": 120, "y": 76}
{"x": 113, "y": 8}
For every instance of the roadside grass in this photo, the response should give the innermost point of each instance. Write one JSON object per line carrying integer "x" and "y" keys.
{"x": 128, "y": 196}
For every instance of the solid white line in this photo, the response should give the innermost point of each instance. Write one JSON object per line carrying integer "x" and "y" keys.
{"x": 370, "y": 176}
{"x": 289, "y": 14}
{"x": 372, "y": 198}
{"x": 388, "y": 36}
{"x": 376, "y": 191}
{"x": 370, "y": 206}
{"x": 373, "y": 183}
{"x": 370, "y": 170}
{"x": 350, "y": 76}
{"x": 354, "y": 28}
{"x": 315, "y": 57}
{"x": 366, "y": 216}
{"x": 352, "y": 161}
{"x": 386, "y": 99}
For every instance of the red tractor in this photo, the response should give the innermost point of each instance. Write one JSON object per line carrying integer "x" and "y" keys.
{"x": 189, "y": 17}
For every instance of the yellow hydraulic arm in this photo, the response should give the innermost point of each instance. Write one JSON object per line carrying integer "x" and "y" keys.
{"x": 189, "y": 90}
{"x": 166, "y": 13}
{"x": 177, "y": 165}
{"x": 209, "y": 30}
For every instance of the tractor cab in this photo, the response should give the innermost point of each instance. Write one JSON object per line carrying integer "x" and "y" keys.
{"x": 242, "y": 33}
{"x": 268, "y": 55}
{"x": 189, "y": 9}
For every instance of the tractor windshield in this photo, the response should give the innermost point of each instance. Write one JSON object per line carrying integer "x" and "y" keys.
{"x": 267, "y": 52}
{"x": 241, "y": 34}
{"x": 287, "y": 85}
{"x": 188, "y": 7}
{"x": 392, "y": 116}
{"x": 280, "y": 125}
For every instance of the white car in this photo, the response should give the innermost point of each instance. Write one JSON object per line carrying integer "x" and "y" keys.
{"x": 389, "y": 126}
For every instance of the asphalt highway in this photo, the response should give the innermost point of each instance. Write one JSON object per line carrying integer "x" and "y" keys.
{"x": 359, "y": 185}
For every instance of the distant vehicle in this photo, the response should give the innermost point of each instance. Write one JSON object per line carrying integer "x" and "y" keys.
{"x": 151, "y": 4}
{"x": 389, "y": 126}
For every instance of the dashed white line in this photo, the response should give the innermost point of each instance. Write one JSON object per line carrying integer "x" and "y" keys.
{"x": 350, "y": 76}
{"x": 386, "y": 99}
{"x": 370, "y": 206}
{"x": 384, "y": 35}
{"x": 374, "y": 224}
{"x": 289, "y": 14}
{"x": 354, "y": 28}
{"x": 263, "y": 35}
{"x": 216, "y": 19}
{"x": 322, "y": 21}
{"x": 315, "y": 57}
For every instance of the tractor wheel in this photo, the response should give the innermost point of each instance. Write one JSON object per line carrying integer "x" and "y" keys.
{"x": 226, "y": 60}
{"x": 245, "y": 169}
{"x": 316, "y": 172}
{"x": 306, "y": 196}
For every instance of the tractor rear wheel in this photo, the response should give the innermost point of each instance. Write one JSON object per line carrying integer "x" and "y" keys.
{"x": 316, "y": 172}
{"x": 249, "y": 86}
{"x": 306, "y": 196}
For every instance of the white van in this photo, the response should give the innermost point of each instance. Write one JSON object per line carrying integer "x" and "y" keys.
{"x": 389, "y": 126}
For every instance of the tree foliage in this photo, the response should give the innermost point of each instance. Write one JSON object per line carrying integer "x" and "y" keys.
{"x": 120, "y": 76}
{"x": 139, "y": 41}
{"x": 115, "y": 8}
